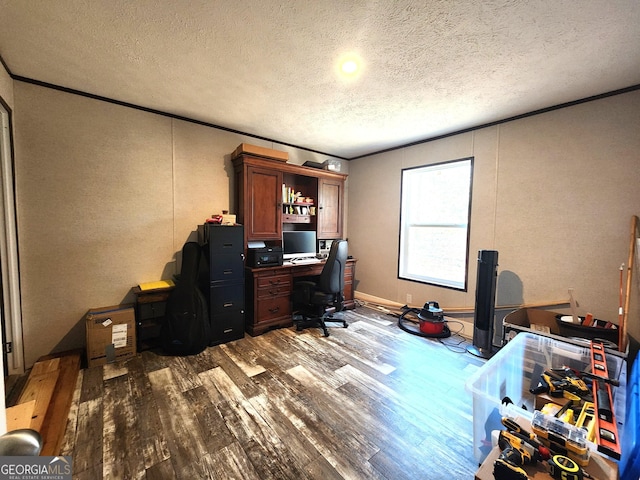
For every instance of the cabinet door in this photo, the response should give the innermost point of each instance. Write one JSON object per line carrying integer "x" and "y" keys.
{"x": 330, "y": 208}
{"x": 264, "y": 204}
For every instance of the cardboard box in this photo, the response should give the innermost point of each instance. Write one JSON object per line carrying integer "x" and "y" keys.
{"x": 111, "y": 334}
{"x": 543, "y": 322}
{"x": 535, "y": 319}
{"x": 260, "y": 152}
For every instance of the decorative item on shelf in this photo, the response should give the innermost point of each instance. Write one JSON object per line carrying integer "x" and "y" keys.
{"x": 289, "y": 195}
{"x": 228, "y": 219}
{"x": 224, "y": 219}
{"x": 332, "y": 164}
{"x": 260, "y": 152}
{"x": 312, "y": 164}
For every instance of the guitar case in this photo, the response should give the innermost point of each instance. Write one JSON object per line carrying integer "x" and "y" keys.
{"x": 185, "y": 328}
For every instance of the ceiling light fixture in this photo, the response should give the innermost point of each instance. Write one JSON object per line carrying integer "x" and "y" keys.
{"x": 349, "y": 66}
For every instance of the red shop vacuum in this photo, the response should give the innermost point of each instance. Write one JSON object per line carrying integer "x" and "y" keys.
{"x": 427, "y": 321}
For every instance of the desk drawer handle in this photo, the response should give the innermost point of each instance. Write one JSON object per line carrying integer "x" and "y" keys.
{"x": 277, "y": 282}
{"x": 228, "y": 330}
{"x": 227, "y": 304}
{"x": 274, "y": 310}
{"x": 227, "y": 271}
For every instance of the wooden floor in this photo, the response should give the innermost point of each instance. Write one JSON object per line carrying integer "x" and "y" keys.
{"x": 368, "y": 402}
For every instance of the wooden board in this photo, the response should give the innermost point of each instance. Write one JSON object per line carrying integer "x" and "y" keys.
{"x": 56, "y": 419}
{"x": 45, "y": 400}
{"x": 259, "y": 151}
{"x": 19, "y": 416}
{"x": 42, "y": 367}
{"x": 39, "y": 388}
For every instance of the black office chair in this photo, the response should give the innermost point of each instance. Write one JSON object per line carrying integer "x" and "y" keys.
{"x": 314, "y": 303}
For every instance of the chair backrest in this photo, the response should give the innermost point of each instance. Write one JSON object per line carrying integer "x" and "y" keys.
{"x": 331, "y": 278}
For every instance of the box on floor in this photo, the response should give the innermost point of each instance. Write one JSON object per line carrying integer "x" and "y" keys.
{"x": 111, "y": 334}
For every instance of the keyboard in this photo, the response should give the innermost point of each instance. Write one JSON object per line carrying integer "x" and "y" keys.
{"x": 305, "y": 261}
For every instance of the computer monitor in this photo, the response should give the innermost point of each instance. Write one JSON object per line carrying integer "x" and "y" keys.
{"x": 298, "y": 244}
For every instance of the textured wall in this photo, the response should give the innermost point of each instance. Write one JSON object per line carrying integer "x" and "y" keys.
{"x": 553, "y": 193}
{"x": 107, "y": 196}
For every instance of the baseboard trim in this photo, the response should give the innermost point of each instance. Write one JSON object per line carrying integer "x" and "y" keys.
{"x": 466, "y": 324}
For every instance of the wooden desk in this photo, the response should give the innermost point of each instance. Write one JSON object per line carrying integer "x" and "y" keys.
{"x": 268, "y": 291}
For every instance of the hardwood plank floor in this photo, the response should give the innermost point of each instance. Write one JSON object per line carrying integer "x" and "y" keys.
{"x": 369, "y": 402}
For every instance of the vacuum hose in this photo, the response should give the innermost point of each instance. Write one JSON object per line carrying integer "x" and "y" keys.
{"x": 413, "y": 326}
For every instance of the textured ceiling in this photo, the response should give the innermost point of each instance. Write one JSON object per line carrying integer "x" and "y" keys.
{"x": 269, "y": 67}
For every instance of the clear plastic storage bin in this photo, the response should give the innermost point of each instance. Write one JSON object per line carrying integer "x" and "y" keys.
{"x": 509, "y": 374}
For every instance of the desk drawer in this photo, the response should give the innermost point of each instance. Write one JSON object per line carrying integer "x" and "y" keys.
{"x": 308, "y": 270}
{"x": 274, "y": 291}
{"x": 280, "y": 281}
{"x": 348, "y": 272}
{"x": 271, "y": 308}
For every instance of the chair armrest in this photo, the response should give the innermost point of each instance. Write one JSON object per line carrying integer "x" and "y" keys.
{"x": 302, "y": 292}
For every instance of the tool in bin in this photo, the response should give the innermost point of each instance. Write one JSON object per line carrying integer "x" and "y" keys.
{"x": 566, "y": 410}
{"x": 586, "y": 421}
{"x": 562, "y": 467}
{"x": 518, "y": 448}
{"x": 606, "y": 426}
{"x": 566, "y": 413}
{"x": 558, "y": 382}
{"x": 561, "y": 437}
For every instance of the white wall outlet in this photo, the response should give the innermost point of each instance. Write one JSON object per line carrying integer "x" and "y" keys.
{"x": 409, "y": 298}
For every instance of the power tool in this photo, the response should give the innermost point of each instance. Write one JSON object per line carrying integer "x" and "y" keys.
{"x": 558, "y": 382}
{"x": 518, "y": 449}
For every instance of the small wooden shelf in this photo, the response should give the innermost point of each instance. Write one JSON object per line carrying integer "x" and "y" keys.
{"x": 150, "y": 309}
{"x": 295, "y": 218}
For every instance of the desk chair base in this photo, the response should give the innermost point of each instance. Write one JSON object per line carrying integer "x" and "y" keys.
{"x": 303, "y": 321}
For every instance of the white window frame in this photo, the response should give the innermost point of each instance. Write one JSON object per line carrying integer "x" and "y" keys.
{"x": 435, "y": 216}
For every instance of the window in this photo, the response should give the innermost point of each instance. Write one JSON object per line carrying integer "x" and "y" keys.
{"x": 434, "y": 223}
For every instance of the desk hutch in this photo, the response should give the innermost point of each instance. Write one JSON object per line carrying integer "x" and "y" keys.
{"x": 265, "y": 211}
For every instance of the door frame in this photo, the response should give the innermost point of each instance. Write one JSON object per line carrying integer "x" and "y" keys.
{"x": 11, "y": 307}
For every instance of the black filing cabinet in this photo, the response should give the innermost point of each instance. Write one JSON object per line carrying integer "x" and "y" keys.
{"x": 221, "y": 279}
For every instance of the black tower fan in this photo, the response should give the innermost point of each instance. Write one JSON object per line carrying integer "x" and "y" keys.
{"x": 485, "y": 304}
